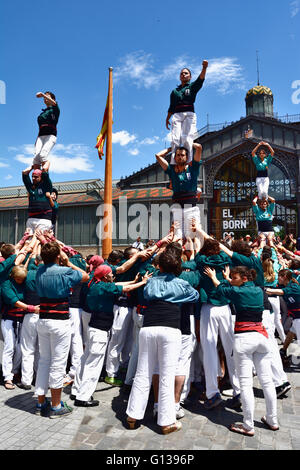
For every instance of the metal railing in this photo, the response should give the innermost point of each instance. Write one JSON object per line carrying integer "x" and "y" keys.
{"x": 286, "y": 118}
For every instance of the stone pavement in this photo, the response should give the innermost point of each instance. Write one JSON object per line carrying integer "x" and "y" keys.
{"x": 102, "y": 428}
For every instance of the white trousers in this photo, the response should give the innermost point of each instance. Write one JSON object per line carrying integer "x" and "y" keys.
{"x": 34, "y": 224}
{"x": 157, "y": 345}
{"x": 253, "y": 349}
{"x": 197, "y": 371}
{"x": 216, "y": 321}
{"x": 183, "y": 219}
{"x": 138, "y": 321}
{"x": 278, "y": 374}
{"x": 43, "y": 146}
{"x": 120, "y": 335}
{"x": 54, "y": 344}
{"x": 85, "y": 320}
{"x": 76, "y": 349}
{"x": 295, "y": 328}
{"x": 183, "y": 130}
{"x": 11, "y": 355}
{"x": 29, "y": 347}
{"x": 92, "y": 366}
{"x": 188, "y": 344}
{"x": 275, "y": 302}
{"x": 262, "y": 184}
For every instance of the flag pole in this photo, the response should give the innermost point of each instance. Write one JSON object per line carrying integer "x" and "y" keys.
{"x": 107, "y": 216}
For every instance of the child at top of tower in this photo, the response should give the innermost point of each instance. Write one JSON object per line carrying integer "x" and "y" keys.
{"x": 181, "y": 109}
{"x": 262, "y": 161}
{"x": 47, "y": 122}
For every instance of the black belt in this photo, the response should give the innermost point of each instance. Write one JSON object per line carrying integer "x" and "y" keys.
{"x": 265, "y": 225}
{"x": 262, "y": 174}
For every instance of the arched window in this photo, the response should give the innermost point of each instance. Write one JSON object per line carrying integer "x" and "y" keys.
{"x": 230, "y": 210}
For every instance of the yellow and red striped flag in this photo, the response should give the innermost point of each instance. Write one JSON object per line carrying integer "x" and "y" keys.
{"x": 103, "y": 133}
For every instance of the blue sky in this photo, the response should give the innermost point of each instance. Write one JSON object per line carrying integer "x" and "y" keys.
{"x": 67, "y": 47}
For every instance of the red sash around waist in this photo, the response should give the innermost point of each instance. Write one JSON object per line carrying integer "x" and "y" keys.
{"x": 243, "y": 327}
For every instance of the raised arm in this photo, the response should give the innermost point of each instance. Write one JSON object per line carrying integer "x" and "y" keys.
{"x": 143, "y": 282}
{"x": 266, "y": 144}
{"x": 204, "y": 68}
{"x": 48, "y": 97}
{"x": 253, "y": 153}
{"x": 271, "y": 199}
{"x": 198, "y": 152}
{"x": 161, "y": 160}
{"x": 66, "y": 262}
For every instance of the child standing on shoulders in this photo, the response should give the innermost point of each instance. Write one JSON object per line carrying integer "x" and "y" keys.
{"x": 47, "y": 122}
{"x": 262, "y": 162}
{"x": 181, "y": 107}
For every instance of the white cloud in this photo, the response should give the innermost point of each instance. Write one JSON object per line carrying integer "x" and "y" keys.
{"x": 8, "y": 177}
{"x": 123, "y": 138}
{"x": 137, "y": 67}
{"x": 294, "y": 8}
{"x": 134, "y": 151}
{"x": 3, "y": 164}
{"x": 63, "y": 158}
{"x": 149, "y": 140}
{"x": 224, "y": 73}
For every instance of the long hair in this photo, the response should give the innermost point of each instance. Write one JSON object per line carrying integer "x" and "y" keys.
{"x": 268, "y": 268}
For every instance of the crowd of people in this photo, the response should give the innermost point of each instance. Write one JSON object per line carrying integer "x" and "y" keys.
{"x": 170, "y": 315}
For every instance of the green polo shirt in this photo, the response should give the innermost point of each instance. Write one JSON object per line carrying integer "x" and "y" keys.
{"x": 12, "y": 292}
{"x": 264, "y": 214}
{"x": 291, "y": 295}
{"x": 187, "y": 180}
{"x": 208, "y": 292}
{"x": 262, "y": 165}
{"x": 6, "y": 267}
{"x": 247, "y": 297}
{"x": 100, "y": 302}
{"x": 48, "y": 120}
{"x": 182, "y": 98}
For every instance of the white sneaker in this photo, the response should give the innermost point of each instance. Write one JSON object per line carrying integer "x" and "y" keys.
{"x": 180, "y": 413}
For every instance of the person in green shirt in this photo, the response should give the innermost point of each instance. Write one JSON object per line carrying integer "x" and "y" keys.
{"x": 263, "y": 211}
{"x": 181, "y": 109}
{"x": 184, "y": 182}
{"x": 290, "y": 291}
{"x": 215, "y": 320}
{"x": 14, "y": 308}
{"x": 39, "y": 208}
{"x": 262, "y": 162}
{"x": 47, "y": 122}
{"x": 100, "y": 301}
{"x": 251, "y": 344}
